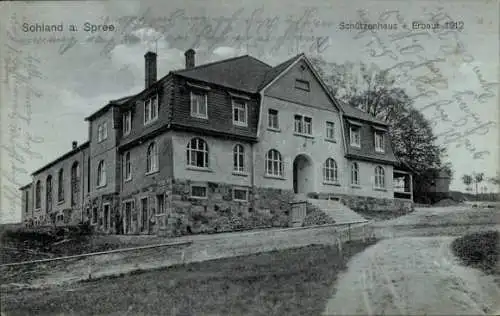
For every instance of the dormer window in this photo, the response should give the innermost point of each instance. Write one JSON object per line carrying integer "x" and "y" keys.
{"x": 302, "y": 84}
{"x": 127, "y": 122}
{"x": 355, "y": 135}
{"x": 150, "y": 109}
{"x": 199, "y": 104}
{"x": 379, "y": 141}
{"x": 240, "y": 112}
{"x": 102, "y": 131}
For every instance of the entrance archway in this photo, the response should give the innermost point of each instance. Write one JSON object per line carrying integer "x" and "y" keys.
{"x": 302, "y": 174}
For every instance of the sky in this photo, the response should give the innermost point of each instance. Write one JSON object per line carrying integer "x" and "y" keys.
{"x": 52, "y": 80}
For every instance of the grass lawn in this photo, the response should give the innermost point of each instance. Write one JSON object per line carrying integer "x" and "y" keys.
{"x": 291, "y": 282}
{"x": 479, "y": 250}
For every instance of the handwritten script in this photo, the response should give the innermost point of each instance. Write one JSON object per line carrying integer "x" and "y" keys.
{"x": 21, "y": 72}
{"x": 405, "y": 48}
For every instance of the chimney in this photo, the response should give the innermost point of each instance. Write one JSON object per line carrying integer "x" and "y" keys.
{"x": 74, "y": 144}
{"x": 189, "y": 58}
{"x": 150, "y": 68}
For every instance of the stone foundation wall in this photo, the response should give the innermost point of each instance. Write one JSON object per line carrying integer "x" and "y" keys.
{"x": 370, "y": 204}
{"x": 218, "y": 212}
{"x": 98, "y": 202}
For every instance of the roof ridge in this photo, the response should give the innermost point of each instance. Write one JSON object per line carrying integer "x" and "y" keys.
{"x": 212, "y": 63}
{"x": 260, "y": 61}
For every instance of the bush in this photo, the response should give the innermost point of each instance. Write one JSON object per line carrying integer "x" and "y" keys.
{"x": 479, "y": 250}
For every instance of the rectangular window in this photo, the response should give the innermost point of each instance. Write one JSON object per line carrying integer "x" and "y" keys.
{"x": 240, "y": 194}
{"x": 330, "y": 130}
{"x": 151, "y": 109}
{"x": 302, "y": 84}
{"x": 127, "y": 122}
{"x": 102, "y": 131}
{"x": 106, "y": 216}
{"x": 355, "y": 136}
{"x": 26, "y": 205}
{"x": 198, "y": 191}
{"x": 160, "y": 201}
{"x": 94, "y": 215}
{"x": 199, "y": 104}
{"x": 303, "y": 124}
{"x": 273, "y": 119}
{"x": 144, "y": 213}
{"x": 239, "y": 113}
{"x": 127, "y": 167}
{"x": 379, "y": 142}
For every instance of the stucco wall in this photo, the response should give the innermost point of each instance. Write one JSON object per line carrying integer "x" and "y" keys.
{"x": 220, "y": 166}
{"x": 59, "y": 206}
{"x": 138, "y": 156}
{"x": 106, "y": 151}
{"x": 316, "y": 148}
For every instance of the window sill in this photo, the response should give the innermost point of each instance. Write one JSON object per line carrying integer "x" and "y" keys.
{"x": 331, "y": 183}
{"x": 101, "y": 186}
{"x": 199, "y": 116}
{"x": 380, "y": 189}
{"x": 203, "y": 169}
{"x": 199, "y": 197}
{"x": 272, "y": 129}
{"x": 331, "y": 140}
{"x": 150, "y": 122}
{"x": 240, "y": 201}
{"x": 355, "y": 186}
{"x": 152, "y": 172}
{"x": 303, "y": 135}
{"x": 128, "y": 180}
{"x": 240, "y": 124}
{"x": 240, "y": 173}
{"x": 356, "y": 146}
{"x": 274, "y": 177}
{"x": 38, "y": 209}
{"x": 380, "y": 151}
{"x": 60, "y": 202}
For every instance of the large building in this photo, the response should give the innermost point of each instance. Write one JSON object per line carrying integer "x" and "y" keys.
{"x": 231, "y": 140}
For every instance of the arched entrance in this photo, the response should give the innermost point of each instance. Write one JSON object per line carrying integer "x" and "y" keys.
{"x": 302, "y": 174}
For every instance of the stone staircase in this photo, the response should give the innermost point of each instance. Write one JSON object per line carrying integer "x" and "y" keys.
{"x": 337, "y": 211}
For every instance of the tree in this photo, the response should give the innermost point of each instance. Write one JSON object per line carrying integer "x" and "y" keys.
{"x": 467, "y": 180}
{"x": 495, "y": 180}
{"x": 478, "y": 178}
{"x": 374, "y": 91}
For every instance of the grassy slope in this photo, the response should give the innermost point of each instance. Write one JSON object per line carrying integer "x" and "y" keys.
{"x": 479, "y": 250}
{"x": 291, "y": 282}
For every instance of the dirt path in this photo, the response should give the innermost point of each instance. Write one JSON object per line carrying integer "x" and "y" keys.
{"x": 410, "y": 274}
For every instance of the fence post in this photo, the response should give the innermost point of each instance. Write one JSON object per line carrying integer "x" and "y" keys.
{"x": 349, "y": 231}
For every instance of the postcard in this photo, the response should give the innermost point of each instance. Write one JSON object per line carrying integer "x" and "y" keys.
{"x": 249, "y": 157}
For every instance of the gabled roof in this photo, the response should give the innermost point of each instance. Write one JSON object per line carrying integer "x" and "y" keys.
{"x": 352, "y": 112}
{"x": 243, "y": 73}
{"x": 120, "y": 101}
{"x": 60, "y": 158}
{"x": 277, "y": 70}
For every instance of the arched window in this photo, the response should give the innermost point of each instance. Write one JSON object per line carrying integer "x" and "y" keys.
{"x": 355, "y": 173}
{"x": 197, "y": 153}
{"x": 60, "y": 185}
{"x": 330, "y": 171}
{"x": 379, "y": 177}
{"x": 239, "y": 158}
{"x": 101, "y": 174}
{"x": 127, "y": 169}
{"x": 75, "y": 182}
{"x": 274, "y": 163}
{"x": 152, "y": 158}
{"x": 48, "y": 194}
{"x": 38, "y": 192}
